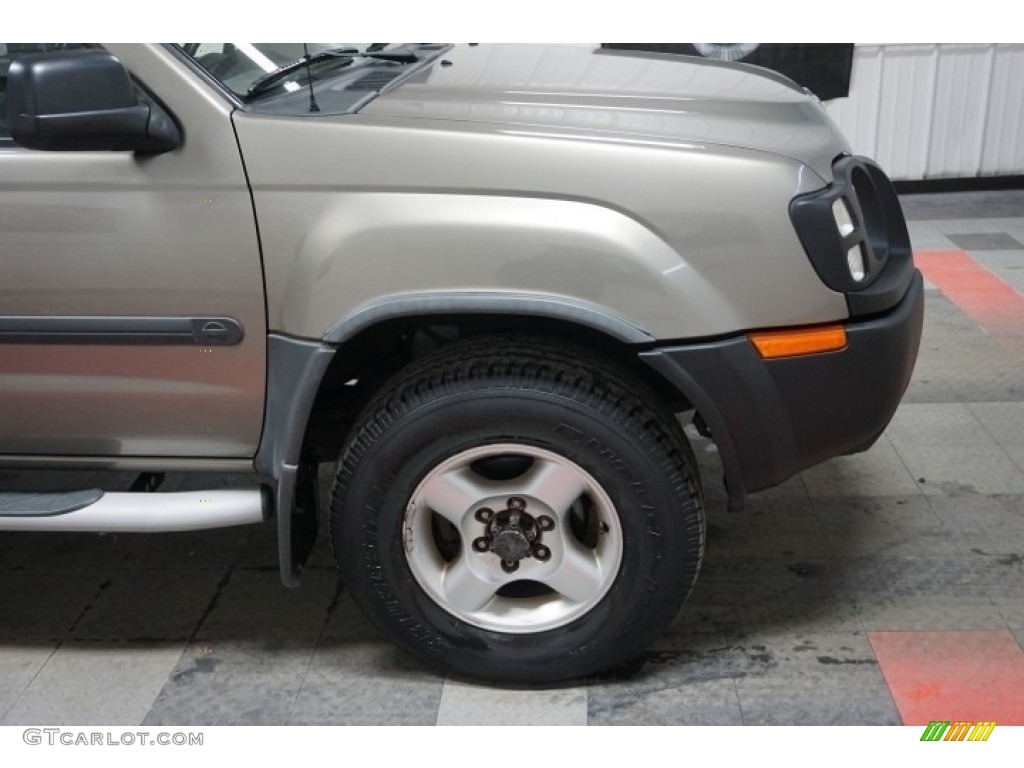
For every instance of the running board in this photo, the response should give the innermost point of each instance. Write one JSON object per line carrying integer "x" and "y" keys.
{"x": 97, "y": 511}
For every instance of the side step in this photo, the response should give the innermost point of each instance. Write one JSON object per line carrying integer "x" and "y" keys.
{"x": 133, "y": 512}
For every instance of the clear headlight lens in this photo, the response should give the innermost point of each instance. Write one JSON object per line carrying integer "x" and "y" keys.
{"x": 855, "y": 261}
{"x": 841, "y": 213}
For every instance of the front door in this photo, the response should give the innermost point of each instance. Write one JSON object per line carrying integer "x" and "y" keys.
{"x": 102, "y": 256}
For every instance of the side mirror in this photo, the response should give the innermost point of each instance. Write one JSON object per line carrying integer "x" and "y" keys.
{"x": 83, "y": 100}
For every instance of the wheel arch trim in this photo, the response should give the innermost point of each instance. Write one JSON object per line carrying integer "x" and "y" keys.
{"x": 296, "y": 368}
{"x": 442, "y": 303}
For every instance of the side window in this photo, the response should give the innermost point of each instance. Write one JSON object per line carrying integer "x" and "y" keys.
{"x": 11, "y": 51}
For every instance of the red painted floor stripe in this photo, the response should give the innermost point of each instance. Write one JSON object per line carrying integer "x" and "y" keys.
{"x": 989, "y": 301}
{"x": 969, "y": 675}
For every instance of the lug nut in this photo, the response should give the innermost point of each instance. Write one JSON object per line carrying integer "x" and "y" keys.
{"x": 516, "y": 503}
{"x": 484, "y": 514}
{"x": 545, "y": 523}
{"x": 542, "y": 553}
{"x": 482, "y": 544}
{"x": 509, "y": 566}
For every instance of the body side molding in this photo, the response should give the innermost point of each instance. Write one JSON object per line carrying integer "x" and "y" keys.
{"x": 49, "y": 329}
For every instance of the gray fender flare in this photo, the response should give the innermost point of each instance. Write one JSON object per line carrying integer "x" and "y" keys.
{"x": 296, "y": 367}
{"x": 486, "y": 303}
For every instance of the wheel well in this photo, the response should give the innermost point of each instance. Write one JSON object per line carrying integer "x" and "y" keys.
{"x": 363, "y": 363}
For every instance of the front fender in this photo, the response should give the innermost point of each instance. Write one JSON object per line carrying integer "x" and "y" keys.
{"x": 351, "y": 255}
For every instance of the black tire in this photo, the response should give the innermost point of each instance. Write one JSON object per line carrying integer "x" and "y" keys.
{"x": 534, "y": 392}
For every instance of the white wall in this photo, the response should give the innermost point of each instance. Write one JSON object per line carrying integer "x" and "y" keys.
{"x": 936, "y": 111}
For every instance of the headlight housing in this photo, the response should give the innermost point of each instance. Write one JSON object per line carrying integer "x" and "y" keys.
{"x": 855, "y": 235}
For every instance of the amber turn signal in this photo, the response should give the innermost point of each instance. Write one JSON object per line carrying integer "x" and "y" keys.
{"x": 799, "y": 341}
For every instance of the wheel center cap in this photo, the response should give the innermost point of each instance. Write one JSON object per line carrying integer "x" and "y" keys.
{"x": 513, "y": 533}
{"x": 511, "y": 545}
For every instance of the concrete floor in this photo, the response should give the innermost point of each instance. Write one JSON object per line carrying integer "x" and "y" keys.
{"x": 805, "y": 603}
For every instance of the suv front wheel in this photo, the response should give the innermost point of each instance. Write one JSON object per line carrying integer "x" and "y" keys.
{"x": 518, "y": 510}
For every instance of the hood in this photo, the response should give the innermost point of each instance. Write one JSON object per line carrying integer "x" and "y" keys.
{"x": 579, "y": 91}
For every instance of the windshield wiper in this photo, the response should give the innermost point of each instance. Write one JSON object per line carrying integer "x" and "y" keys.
{"x": 398, "y": 55}
{"x": 343, "y": 56}
{"x": 271, "y": 79}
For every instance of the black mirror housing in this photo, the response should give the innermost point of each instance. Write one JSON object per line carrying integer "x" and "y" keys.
{"x": 83, "y": 100}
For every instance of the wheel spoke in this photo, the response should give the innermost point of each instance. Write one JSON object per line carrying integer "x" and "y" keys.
{"x": 578, "y": 578}
{"x": 452, "y": 493}
{"x": 557, "y": 485}
{"x": 464, "y": 589}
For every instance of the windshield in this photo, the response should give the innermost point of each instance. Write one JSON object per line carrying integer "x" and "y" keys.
{"x": 239, "y": 66}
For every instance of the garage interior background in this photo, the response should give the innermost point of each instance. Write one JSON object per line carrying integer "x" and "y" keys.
{"x": 937, "y": 111}
{"x": 932, "y": 111}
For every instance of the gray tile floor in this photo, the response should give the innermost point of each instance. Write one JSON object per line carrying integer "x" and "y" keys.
{"x": 924, "y": 531}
